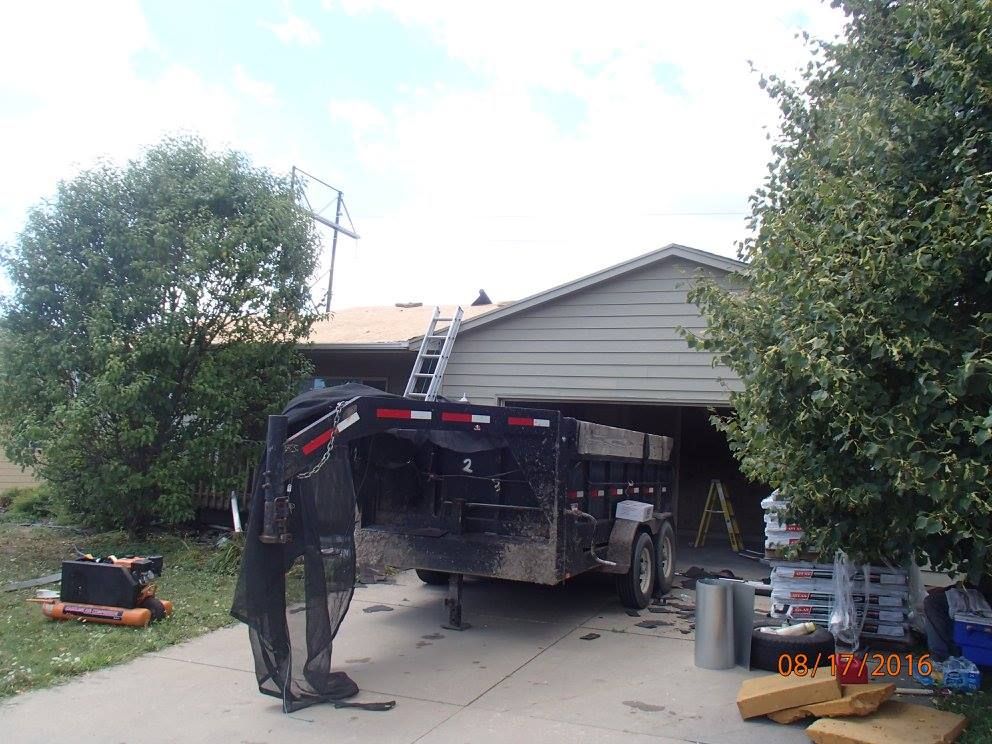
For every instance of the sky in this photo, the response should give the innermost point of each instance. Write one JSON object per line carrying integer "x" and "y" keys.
{"x": 509, "y": 146}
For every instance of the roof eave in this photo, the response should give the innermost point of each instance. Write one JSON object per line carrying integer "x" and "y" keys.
{"x": 379, "y": 346}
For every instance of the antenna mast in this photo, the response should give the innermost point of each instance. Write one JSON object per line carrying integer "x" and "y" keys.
{"x": 340, "y": 211}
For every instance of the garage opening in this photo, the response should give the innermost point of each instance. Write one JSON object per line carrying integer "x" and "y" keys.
{"x": 701, "y": 454}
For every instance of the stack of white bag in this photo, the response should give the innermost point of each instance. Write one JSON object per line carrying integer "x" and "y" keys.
{"x": 804, "y": 591}
{"x": 778, "y": 534}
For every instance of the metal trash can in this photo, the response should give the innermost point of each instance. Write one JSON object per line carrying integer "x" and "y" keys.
{"x": 714, "y": 624}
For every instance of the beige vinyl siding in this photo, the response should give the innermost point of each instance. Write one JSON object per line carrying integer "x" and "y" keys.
{"x": 12, "y": 476}
{"x": 615, "y": 341}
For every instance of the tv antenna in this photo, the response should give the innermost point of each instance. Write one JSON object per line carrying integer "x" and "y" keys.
{"x": 313, "y": 186}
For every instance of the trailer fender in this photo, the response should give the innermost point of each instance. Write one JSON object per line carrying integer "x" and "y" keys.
{"x": 623, "y": 536}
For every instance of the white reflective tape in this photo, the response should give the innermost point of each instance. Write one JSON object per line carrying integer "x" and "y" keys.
{"x": 425, "y": 415}
{"x": 635, "y": 489}
{"x": 541, "y": 422}
{"x": 480, "y": 419}
{"x": 345, "y": 423}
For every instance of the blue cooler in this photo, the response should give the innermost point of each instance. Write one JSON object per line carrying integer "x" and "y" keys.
{"x": 973, "y": 633}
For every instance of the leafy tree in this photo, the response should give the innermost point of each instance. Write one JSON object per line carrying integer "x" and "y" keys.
{"x": 864, "y": 334}
{"x": 152, "y": 327}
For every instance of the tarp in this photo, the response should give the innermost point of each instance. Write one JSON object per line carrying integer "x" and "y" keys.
{"x": 292, "y": 647}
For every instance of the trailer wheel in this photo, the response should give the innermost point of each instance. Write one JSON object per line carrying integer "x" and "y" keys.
{"x": 666, "y": 558}
{"x": 434, "y": 578}
{"x": 155, "y": 606}
{"x": 635, "y": 586}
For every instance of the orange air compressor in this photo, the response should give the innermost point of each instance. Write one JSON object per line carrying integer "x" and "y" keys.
{"x": 111, "y": 590}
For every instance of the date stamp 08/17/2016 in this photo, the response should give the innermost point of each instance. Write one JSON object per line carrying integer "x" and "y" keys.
{"x": 879, "y": 665}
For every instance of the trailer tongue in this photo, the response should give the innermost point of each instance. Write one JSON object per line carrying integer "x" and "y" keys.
{"x": 455, "y": 489}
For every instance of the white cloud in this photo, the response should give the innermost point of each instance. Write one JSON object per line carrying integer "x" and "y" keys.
{"x": 362, "y": 116}
{"x": 295, "y": 30}
{"x": 258, "y": 90}
{"x": 503, "y": 190}
{"x": 596, "y": 134}
{"x": 71, "y": 95}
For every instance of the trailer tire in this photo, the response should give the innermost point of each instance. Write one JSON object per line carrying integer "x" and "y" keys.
{"x": 635, "y": 586}
{"x": 767, "y": 650}
{"x": 665, "y": 540}
{"x": 434, "y": 578}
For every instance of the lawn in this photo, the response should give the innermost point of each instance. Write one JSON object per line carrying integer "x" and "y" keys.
{"x": 35, "y": 652}
{"x": 977, "y": 708}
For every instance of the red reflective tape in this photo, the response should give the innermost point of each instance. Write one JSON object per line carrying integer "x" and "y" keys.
{"x": 393, "y": 413}
{"x": 318, "y": 441}
{"x": 521, "y": 421}
{"x": 461, "y": 418}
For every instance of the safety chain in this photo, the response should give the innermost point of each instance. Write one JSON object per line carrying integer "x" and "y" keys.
{"x": 330, "y": 445}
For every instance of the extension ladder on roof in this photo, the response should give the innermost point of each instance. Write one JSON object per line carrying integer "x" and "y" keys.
{"x": 432, "y": 359}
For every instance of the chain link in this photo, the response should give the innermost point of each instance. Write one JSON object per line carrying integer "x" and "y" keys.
{"x": 330, "y": 446}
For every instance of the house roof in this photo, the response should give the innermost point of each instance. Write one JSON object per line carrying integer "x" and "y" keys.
{"x": 395, "y": 328}
{"x": 380, "y": 328}
{"x": 672, "y": 250}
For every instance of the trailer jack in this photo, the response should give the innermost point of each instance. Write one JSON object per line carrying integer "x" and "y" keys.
{"x": 454, "y": 603}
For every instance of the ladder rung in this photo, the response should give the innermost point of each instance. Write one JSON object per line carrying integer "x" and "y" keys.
{"x": 430, "y": 356}
{"x": 444, "y": 320}
{"x": 422, "y": 374}
{"x": 417, "y": 395}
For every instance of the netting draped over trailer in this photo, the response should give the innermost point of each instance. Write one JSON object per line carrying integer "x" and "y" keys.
{"x": 292, "y": 649}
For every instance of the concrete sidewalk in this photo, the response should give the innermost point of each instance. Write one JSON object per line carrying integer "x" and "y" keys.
{"x": 521, "y": 672}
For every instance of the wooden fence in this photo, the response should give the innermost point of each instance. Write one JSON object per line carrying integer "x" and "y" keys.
{"x": 238, "y": 467}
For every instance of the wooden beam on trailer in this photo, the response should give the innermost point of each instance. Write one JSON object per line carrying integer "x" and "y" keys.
{"x": 598, "y": 440}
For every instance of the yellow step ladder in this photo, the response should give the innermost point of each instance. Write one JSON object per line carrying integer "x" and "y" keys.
{"x": 718, "y": 493}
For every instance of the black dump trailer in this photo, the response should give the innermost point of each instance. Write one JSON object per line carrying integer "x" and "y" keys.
{"x": 457, "y": 489}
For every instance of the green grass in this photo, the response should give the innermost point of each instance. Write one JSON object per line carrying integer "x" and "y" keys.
{"x": 35, "y": 652}
{"x": 977, "y": 708}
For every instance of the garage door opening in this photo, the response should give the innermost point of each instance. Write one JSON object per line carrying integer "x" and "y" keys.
{"x": 701, "y": 454}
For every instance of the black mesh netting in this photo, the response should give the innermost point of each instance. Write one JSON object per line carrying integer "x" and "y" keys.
{"x": 292, "y": 647}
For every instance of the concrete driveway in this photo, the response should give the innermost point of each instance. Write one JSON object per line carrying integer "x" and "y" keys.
{"x": 521, "y": 673}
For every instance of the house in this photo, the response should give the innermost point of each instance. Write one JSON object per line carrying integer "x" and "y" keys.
{"x": 12, "y": 476}
{"x": 604, "y": 348}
